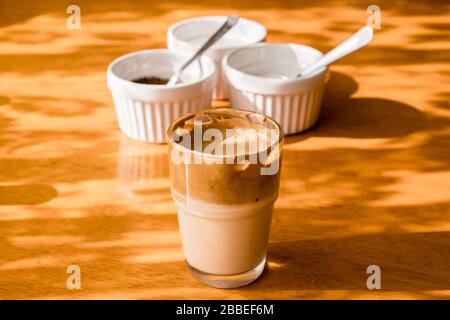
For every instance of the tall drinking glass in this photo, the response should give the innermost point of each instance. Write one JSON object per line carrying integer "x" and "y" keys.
{"x": 224, "y": 171}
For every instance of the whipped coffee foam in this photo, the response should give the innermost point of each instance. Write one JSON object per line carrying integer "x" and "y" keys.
{"x": 226, "y": 132}
{"x": 220, "y": 155}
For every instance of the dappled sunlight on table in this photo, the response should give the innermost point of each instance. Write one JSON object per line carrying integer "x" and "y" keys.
{"x": 368, "y": 184}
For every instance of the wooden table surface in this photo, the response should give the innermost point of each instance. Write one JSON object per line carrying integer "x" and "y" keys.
{"x": 369, "y": 184}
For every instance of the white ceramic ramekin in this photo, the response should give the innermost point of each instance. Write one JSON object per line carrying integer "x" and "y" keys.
{"x": 145, "y": 111}
{"x": 262, "y": 79}
{"x": 188, "y": 35}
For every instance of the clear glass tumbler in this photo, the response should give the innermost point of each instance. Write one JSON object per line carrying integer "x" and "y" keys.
{"x": 225, "y": 169}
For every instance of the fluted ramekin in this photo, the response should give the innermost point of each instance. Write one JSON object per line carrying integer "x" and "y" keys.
{"x": 188, "y": 35}
{"x": 145, "y": 111}
{"x": 262, "y": 79}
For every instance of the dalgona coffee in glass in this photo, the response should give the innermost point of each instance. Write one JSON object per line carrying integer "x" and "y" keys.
{"x": 224, "y": 171}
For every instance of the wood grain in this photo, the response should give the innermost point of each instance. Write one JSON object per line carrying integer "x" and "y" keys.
{"x": 369, "y": 184}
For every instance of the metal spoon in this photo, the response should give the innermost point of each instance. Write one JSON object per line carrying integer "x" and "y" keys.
{"x": 358, "y": 40}
{"x": 231, "y": 21}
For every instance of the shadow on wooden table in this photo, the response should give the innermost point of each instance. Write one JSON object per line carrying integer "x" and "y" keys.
{"x": 351, "y": 206}
{"x": 408, "y": 262}
{"x": 29, "y": 194}
{"x": 344, "y": 116}
{"x": 337, "y": 213}
{"x": 29, "y": 9}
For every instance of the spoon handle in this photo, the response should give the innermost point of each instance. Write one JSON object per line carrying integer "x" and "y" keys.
{"x": 355, "y": 42}
{"x": 231, "y": 21}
